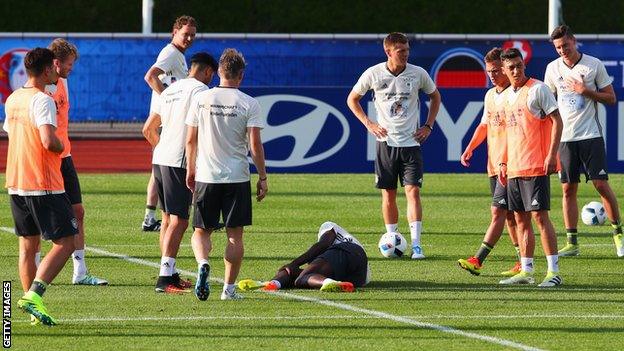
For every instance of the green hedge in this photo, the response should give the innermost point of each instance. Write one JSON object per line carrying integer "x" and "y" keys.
{"x": 312, "y": 16}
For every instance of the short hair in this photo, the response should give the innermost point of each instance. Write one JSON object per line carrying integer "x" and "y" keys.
{"x": 183, "y": 21}
{"x": 560, "y": 32}
{"x": 395, "y": 38}
{"x": 232, "y": 63}
{"x": 63, "y": 49}
{"x": 493, "y": 55}
{"x": 36, "y": 61}
{"x": 511, "y": 53}
{"x": 203, "y": 60}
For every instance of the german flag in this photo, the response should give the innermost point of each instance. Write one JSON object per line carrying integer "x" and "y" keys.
{"x": 461, "y": 71}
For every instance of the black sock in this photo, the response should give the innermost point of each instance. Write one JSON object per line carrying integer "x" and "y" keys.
{"x": 617, "y": 227}
{"x": 39, "y": 287}
{"x": 571, "y": 234}
{"x": 483, "y": 251}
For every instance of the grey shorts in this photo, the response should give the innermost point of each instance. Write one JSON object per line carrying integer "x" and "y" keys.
{"x": 173, "y": 195}
{"x": 499, "y": 193}
{"x": 527, "y": 194}
{"x": 587, "y": 156}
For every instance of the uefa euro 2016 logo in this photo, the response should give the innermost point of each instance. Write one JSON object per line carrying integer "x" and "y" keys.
{"x": 12, "y": 72}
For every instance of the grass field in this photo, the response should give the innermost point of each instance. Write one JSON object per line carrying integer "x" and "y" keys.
{"x": 430, "y": 304}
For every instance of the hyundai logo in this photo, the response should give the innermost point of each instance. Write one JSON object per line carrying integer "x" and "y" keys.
{"x": 305, "y": 130}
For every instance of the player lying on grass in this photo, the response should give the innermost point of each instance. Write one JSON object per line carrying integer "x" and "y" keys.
{"x": 336, "y": 262}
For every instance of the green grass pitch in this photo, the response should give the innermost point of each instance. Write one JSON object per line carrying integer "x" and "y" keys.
{"x": 430, "y": 304}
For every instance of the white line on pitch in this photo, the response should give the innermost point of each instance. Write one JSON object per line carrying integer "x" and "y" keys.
{"x": 340, "y": 317}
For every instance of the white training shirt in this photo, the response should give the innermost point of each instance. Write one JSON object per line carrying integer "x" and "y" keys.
{"x": 222, "y": 116}
{"x": 396, "y": 100}
{"x": 579, "y": 113}
{"x": 173, "y": 106}
{"x": 342, "y": 236}
{"x": 172, "y": 62}
{"x": 540, "y": 100}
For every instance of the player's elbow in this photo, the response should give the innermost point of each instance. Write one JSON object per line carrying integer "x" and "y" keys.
{"x": 352, "y": 100}
{"x": 147, "y": 78}
{"x": 145, "y": 132}
{"x": 151, "y": 77}
{"x": 148, "y": 131}
{"x": 435, "y": 97}
{"x": 611, "y": 100}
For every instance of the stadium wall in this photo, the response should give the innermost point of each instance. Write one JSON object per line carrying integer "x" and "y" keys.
{"x": 302, "y": 82}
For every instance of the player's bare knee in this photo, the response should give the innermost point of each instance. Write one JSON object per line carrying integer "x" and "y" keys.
{"x": 541, "y": 218}
{"x": 202, "y": 233}
{"x": 498, "y": 214}
{"x": 28, "y": 249}
{"x": 388, "y": 194}
{"x": 602, "y": 186}
{"x": 178, "y": 222}
{"x": 65, "y": 243}
{"x": 569, "y": 190}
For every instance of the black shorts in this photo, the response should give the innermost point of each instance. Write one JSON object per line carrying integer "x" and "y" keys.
{"x": 70, "y": 180}
{"x": 232, "y": 200}
{"x": 348, "y": 261}
{"x": 404, "y": 163}
{"x": 588, "y": 156}
{"x": 499, "y": 193}
{"x": 50, "y": 216}
{"x": 174, "y": 197}
{"x": 529, "y": 194}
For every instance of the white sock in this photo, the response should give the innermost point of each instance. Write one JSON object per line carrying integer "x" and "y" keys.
{"x": 80, "y": 268}
{"x": 167, "y": 266}
{"x": 527, "y": 264}
{"x": 392, "y": 228}
{"x": 150, "y": 215}
{"x": 229, "y": 288}
{"x": 37, "y": 259}
{"x": 553, "y": 263}
{"x": 202, "y": 262}
{"x": 277, "y": 283}
{"x": 328, "y": 280}
{"x": 415, "y": 230}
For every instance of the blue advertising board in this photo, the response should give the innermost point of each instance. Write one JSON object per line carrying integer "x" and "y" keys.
{"x": 302, "y": 85}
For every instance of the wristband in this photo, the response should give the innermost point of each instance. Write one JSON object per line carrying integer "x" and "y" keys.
{"x": 428, "y": 126}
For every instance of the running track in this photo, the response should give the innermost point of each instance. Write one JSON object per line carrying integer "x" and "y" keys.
{"x": 103, "y": 156}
